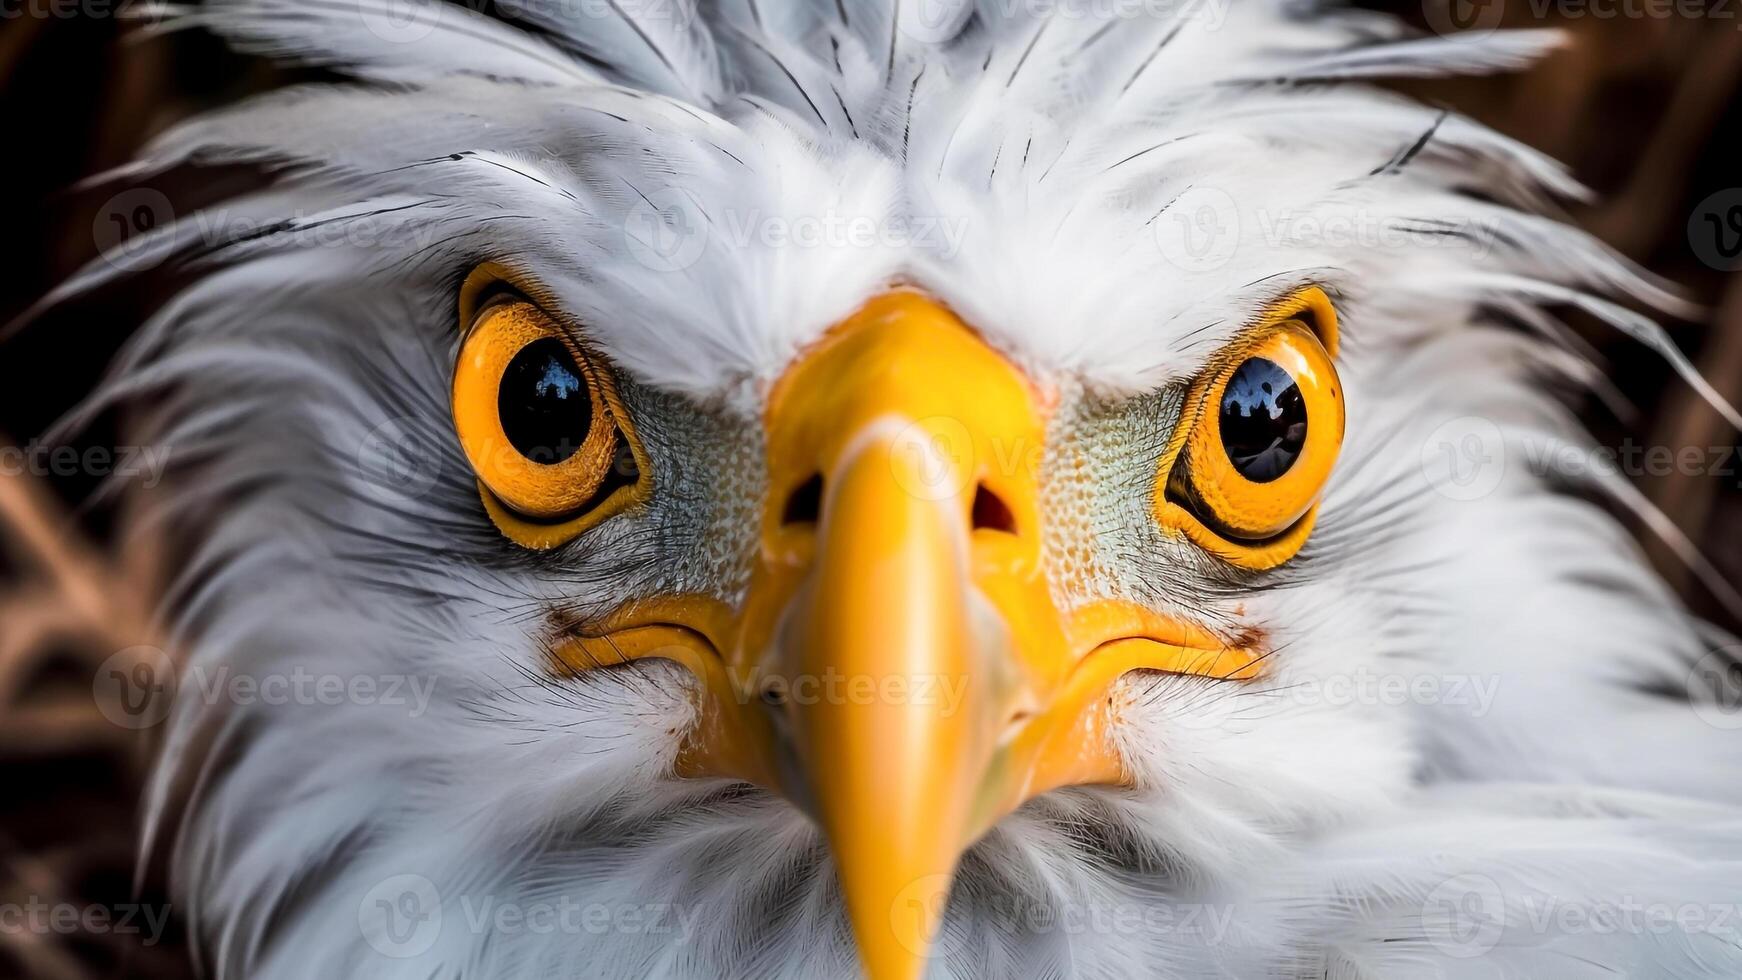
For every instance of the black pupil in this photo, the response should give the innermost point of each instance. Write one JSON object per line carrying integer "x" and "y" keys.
{"x": 543, "y": 402}
{"x": 1264, "y": 420}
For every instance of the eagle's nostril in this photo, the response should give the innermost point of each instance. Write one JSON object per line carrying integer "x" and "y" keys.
{"x": 804, "y": 505}
{"x": 991, "y": 513}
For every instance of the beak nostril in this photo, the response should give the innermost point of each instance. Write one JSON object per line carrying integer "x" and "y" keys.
{"x": 774, "y": 694}
{"x": 991, "y": 513}
{"x": 804, "y": 505}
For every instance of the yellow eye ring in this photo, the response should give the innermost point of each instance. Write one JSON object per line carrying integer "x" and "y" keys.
{"x": 1262, "y": 428}
{"x": 541, "y": 424}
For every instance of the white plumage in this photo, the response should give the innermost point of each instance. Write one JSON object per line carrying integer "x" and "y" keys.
{"x": 1044, "y": 171}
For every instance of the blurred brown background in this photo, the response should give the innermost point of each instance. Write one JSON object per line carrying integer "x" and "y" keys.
{"x": 1638, "y": 104}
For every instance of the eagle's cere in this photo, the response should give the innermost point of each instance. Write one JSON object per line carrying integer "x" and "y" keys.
{"x": 906, "y": 487}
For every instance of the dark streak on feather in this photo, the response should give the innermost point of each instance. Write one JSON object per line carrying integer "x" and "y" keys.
{"x": 1149, "y": 60}
{"x": 567, "y": 195}
{"x": 1397, "y": 163}
{"x": 472, "y": 229}
{"x": 729, "y": 153}
{"x": 1151, "y": 149}
{"x": 1093, "y": 40}
{"x": 789, "y": 77}
{"x": 843, "y": 104}
{"x": 1169, "y": 204}
{"x": 1026, "y": 52}
{"x": 293, "y": 224}
{"x": 686, "y": 110}
{"x": 944, "y": 157}
{"x": 894, "y": 32}
{"x": 1055, "y": 161}
{"x": 649, "y": 201}
{"x": 907, "y": 125}
{"x": 643, "y": 35}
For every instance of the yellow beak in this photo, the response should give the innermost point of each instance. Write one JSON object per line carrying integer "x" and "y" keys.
{"x": 899, "y": 413}
{"x": 900, "y": 669}
{"x": 885, "y": 754}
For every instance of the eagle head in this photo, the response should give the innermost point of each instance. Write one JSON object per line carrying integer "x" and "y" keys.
{"x": 794, "y": 487}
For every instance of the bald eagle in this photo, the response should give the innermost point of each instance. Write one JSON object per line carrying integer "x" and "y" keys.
{"x": 903, "y": 488}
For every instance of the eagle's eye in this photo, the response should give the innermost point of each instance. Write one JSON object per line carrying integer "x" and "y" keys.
{"x": 541, "y": 425}
{"x": 1263, "y": 419}
{"x": 1261, "y": 428}
{"x": 543, "y": 402}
